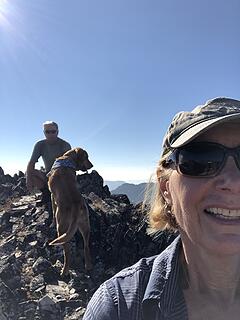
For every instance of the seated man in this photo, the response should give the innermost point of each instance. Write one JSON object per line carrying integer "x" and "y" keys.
{"x": 49, "y": 149}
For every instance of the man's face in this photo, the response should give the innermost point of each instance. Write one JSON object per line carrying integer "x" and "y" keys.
{"x": 50, "y": 132}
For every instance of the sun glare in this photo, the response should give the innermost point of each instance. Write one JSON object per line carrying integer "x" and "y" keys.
{"x": 3, "y": 12}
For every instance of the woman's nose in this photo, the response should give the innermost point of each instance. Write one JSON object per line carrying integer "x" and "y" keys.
{"x": 229, "y": 177}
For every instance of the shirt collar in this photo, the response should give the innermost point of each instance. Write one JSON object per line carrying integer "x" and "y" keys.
{"x": 164, "y": 287}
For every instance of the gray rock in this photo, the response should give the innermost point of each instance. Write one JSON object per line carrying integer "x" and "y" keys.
{"x": 37, "y": 282}
{"x": 8, "y": 303}
{"x": 41, "y": 265}
{"x": 30, "y": 283}
{"x": 49, "y": 309}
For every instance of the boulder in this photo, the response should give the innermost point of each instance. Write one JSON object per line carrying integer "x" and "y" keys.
{"x": 31, "y": 286}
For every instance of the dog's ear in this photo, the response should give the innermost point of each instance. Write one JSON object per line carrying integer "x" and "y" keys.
{"x": 82, "y": 162}
{"x": 80, "y": 158}
{"x": 80, "y": 155}
{"x": 79, "y": 152}
{"x": 73, "y": 154}
{"x": 77, "y": 155}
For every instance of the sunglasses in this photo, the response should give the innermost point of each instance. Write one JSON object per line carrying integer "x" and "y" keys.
{"x": 202, "y": 159}
{"x": 50, "y": 131}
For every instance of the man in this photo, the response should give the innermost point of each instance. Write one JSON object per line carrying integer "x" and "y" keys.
{"x": 49, "y": 149}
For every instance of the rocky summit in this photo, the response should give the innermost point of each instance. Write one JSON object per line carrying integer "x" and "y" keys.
{"x": 30, "y": 283}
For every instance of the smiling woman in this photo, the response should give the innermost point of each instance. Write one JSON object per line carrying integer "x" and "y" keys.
{"x": 198, "y": 195}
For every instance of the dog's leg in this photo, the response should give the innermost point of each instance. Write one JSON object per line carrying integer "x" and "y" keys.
{"x": 87, "y": 255}
{"x": 54, "y": 209}
{"x": 84, "y": 228}
{"x": 66, "y": 246}
{"x": 66, "y": 264}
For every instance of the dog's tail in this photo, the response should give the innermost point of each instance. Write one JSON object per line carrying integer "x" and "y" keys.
{"x": 67, "y": 236}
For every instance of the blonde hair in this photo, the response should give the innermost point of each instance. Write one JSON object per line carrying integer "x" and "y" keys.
{"x": 160, "y": 215}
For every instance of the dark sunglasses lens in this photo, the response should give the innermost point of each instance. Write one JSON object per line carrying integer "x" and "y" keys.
{"x": 50, "y": 131}
{"x": 200, "y": 160}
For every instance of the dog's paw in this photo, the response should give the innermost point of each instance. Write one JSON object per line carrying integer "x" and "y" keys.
{"x": 52, "y": 225}
{"x": 88, "y": 266}
{"x": 64, "y": 273}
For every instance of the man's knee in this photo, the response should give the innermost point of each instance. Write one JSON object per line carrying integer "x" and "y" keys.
{"x": 39, "y": 179}
{"x": 46, "y": 194}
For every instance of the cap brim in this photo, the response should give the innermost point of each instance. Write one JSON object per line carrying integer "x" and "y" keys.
{"x": 200, "y": 128}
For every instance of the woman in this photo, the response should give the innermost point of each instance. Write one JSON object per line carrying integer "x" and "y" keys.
{"x": 198, "y": 276}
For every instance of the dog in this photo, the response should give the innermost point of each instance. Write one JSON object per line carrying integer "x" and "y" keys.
{"x": 69, "y": 207}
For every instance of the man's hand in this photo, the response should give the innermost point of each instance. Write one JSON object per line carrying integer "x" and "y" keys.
{"x": 29, "y": 182}
{"x": 30, "y": 175}
{"x": 36, "y": 180}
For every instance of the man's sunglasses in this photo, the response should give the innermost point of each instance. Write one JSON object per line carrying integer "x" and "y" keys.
{"x": 50, "y": 131}
{"x": 202, "y": 159}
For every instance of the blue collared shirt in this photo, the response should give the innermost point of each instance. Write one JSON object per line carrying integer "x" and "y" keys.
{"x": 149, "y": 290}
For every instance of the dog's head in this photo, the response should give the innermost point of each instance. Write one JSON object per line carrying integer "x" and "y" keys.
{"x": 80, "y": 158}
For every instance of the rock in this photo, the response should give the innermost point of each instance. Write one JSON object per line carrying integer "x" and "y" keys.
{"x": 41, "y": 265}
{"x": 28, "y": 308}
{"x": 49, "y": 309}
{"x": 8, "y": 303}
{"x": 92, "y": 182}
{"x": 31, "y": 286}
{"x": 1, "y": 171}
{"x": 11, "y": 186}
{"x": 121, "y": 198}
{"x": 37, "y": 282}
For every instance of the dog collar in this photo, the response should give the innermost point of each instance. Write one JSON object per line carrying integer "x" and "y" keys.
{"x": 63, "y": 163}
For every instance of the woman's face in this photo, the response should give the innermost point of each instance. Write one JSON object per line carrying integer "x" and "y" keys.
{"x": 193, "y": 198}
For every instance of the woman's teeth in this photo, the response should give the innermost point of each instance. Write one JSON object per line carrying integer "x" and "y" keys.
{"x": 224, "y": 213}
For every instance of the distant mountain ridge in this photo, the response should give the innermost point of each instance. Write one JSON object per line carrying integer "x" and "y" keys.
{"x": 113, "y": 184}
{"x": 135, "y": 192}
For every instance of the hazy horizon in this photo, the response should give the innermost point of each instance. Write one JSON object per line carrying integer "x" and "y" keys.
{"x": 112, "y": 74}
{"x": 136, "y": 181}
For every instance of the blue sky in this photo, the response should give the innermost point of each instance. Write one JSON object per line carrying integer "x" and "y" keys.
{"x": 111, "y": 73}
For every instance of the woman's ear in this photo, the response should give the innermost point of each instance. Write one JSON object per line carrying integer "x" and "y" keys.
{"x": 164, "y": 188}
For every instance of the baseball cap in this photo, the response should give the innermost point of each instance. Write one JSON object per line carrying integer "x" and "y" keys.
{"x": 187, "y": 125}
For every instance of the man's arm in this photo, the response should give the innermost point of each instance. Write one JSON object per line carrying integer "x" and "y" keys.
{"x": 67, "y": 147}
{"x": 31, "y": 166}
{"x": 29, "y": 175}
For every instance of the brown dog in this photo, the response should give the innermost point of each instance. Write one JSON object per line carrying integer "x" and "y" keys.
{"x": 70, "y": 210}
